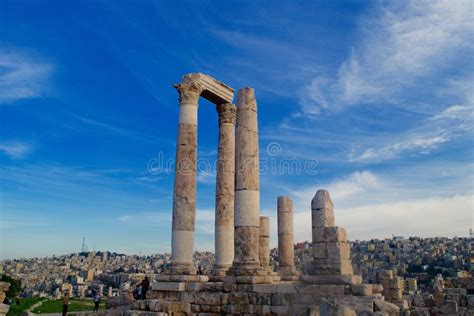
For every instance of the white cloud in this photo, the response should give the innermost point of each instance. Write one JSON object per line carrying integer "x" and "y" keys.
{"x": 16, "y": 149}
{"x": 205, "y": 177}
{"x": 405, "y": 46}
{"x": 449, "y": 124}
{"x": 370, "y": 206}
{"x": 428, "y": 217}
{"x": 22, "y": 76}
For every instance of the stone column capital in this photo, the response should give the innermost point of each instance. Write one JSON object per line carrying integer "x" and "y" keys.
{"x": 227, "y": 113}
{"x": 189, "y": 91}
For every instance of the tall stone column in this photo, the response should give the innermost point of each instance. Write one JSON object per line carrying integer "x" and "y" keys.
{"x": 247, "y": 196}
{"x": 184, "y": 197}
{"x": 286, "y": 252}
{"x": 264, "y": 242}
{"x": 225, "y": 185}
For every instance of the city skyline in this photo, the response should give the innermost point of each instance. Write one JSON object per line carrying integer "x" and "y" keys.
{"x": 372, "y": 101}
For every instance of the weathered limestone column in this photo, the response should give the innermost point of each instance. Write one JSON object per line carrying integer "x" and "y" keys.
{"x": 286, "y": 251}
{"x": 247, "y": 196}
{"x": 264, "y": 242}
{"x": 225, "y": 185}
{"x": 184, "y": 198}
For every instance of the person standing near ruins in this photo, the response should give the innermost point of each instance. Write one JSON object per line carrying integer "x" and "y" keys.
{"x": 96, "y": 302}
{"x": 65, "y": 303}
{"x": 145, "y": 285}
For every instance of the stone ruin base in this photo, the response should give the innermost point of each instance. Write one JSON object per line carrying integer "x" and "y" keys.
{"x": 225, "y": 298}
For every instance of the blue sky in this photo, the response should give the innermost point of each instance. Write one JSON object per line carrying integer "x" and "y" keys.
{"x": 373, "y": 99}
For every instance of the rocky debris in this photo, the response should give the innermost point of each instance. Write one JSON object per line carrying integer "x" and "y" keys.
{"x": 389, "y": 308}
{"x": 334, "y": 309}
{"x": 121, "y": 300}
{"x": 448, "y": 307}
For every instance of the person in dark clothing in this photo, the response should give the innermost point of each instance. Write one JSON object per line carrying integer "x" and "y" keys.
{"x": 96, "y": 302}
{"x": 145, "y": 285}
{"x": 65, "y": 303}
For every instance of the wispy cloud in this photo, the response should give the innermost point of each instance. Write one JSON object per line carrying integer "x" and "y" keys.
{"x": 22, "y": 76}
{"x": 16, "y": 149}
{"x": 453, "y": 122}
{"x": 116, "y": 129}
{"x": 406, "y": 45}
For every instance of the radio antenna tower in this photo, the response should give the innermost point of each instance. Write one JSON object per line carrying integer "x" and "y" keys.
{"x": 83, "y": 244}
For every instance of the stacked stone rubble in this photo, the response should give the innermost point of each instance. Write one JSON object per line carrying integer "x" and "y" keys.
{"x": 331, "y": 251}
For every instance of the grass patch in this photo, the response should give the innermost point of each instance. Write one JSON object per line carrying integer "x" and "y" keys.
{"x": 25, "y": 303}
{"x": 75, "y": 305}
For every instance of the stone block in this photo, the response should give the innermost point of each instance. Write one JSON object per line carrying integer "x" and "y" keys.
{"x": 326, "y": 290}
{"x": 263, "y": 298}
{"x": 239, "y": 298}
{"x": 331, "y": 279}
{"x": 330, "y": 267}
{"x": 162, "y": 277}
{"x": 329, "y": 234}
{"x": 250, "y": 309}
{"x": 194, "y": 286}
{"x": 322, "y": 218}
{"x": 285, "y": 299}
{"x": 254, "y": 279}
{"x": 216, "y": 309}
{"x": 280, "y": 310}
{"x": 305, "y": 298}
{"x": 402, "y": 304}
{"x": 265, "y": 288}
{"x": 319, "y": 251}
{"x": 335, "y": 309}
{"x": 361, "y": 289}
{"x": 229, "y": 284}
{"x": 335, "y": 234}
{"x": 266, "y": 310}
{"x": 161, "y": 295}
{"x": 448, "y": 307}
{"x": 168, "y": 286}
{"x": 195, "y": 308}
{"x": 189, "y": 278}
{"x": 338, "y": 250}
{"x": 377, "y": 288}
{"x": 389, "y": 308}
{"x": 209, "y": 298}
{"x": 470, "y": 301}
{"x": 175, "y": 307}
{"x": 361, "y": 304}
{"x": 286, "y": 288}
